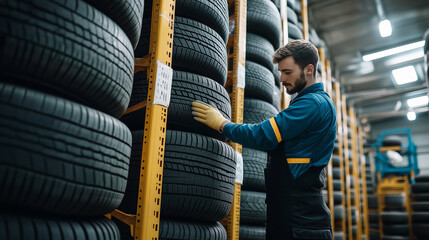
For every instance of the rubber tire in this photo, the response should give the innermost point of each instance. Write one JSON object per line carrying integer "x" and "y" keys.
{"x": 396, "y": 229}
{"x": 257, "y": 111}
{"x": 374, "y": 235}
{"x": 254, "y": 162}
{"x": 422, "y": 178}
{"x": 337, "y": 184}
{"x": 373, "y": 217}
{"x": 421, "y": 197}
{"x": 336, "y": 160}
{"x": 291, "y": 16}
{"x": 186, "y": 88}
{"x": 214, "y": 14}
{"x": 198, "y": 181}
{"x": 421, "y": 230}
{"x": 248, "y": 232}
{"x": 277, "y": 3}
{"x": 263, "y": 19}
{"x": 196, "y": 49}
{"x": 338, "y": 197}
{"x": 277, "y": 98}
{"x": 420, "y": 206}
{"x": 394, "y": 200}
{"x": 294, "y": 31}
{"x": 15, "y": 226}
{"x": 336, "y": 173}
{"x": 339, "y": 236}
{"x": 395, "y": 238}
{"x": 394, "y": 217}
{"x": 170, "y": 229}
{"x": 259, "y": 50}
{"x": 253, "y": 209}
{"x": 420, "y": 217}
{"x": 392, "y": 140}
{"x": 420, "y": 187}
{"x": 259, "y": 82}
{"x": 69, "y": 49}
{"x": 373, "y": 201}
{"x": 58, "y": 156}
{"x": 338, "y": 212}
{"x": 128, "y": 14}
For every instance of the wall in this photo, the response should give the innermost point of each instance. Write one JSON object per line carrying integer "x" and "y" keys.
{"x": 419, "y": 134}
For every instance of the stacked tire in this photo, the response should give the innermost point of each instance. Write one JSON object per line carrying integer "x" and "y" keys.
{"x": 394, "y": 218}
{"x": 66, "y": 76}
{"x": 261, "y": 102}
{"x": 420, "y": 206}
{"x": 373, "y": 215}
{"x": 199, "y": 167}
{"x": 339, "y": 190}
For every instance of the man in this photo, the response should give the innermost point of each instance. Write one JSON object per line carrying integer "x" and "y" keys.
{"x": 301, "y": 139}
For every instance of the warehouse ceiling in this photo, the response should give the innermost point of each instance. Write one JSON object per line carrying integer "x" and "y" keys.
{"x": 350, "y": 30}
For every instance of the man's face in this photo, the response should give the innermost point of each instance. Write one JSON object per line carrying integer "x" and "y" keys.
{"x": 292, "y": 77}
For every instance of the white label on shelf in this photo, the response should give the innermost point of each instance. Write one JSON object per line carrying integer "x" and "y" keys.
{"x": 164, "y": 78}
{"x": 241, "y": 76}
{"x": 239, "y": 169}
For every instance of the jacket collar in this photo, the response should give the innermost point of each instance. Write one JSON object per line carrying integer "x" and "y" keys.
{"x": 311, "y": 89}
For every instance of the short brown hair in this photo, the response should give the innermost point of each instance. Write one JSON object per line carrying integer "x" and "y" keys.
{"x": 302, "y": 51}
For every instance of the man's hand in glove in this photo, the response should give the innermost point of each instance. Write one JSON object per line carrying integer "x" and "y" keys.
{"x": 208, "y": 115}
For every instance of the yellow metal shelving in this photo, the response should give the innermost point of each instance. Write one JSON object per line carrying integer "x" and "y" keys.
{"x": 347, "y": 168}
{"x": 355, "y": 173}
{"x": 364, "y": 190}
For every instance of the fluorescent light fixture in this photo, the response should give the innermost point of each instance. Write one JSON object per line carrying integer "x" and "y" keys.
{"x": 392, "y": 51}
{"x": 385, "y": 28}
{"x": 418, "y": 101}
{"x": 406, "y": 57}
{"x": 405, "y": 75}
{"x": 411, "y": 116}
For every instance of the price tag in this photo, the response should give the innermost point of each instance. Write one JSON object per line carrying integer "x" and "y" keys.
{"x": 164, "y": 78}
{"x": 239, "y": 169}
{"x": 241, "y": 76}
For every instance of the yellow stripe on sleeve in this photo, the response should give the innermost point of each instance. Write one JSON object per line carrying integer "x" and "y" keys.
{"x": 276, "y": 129}
{"x": 298, "y": 160}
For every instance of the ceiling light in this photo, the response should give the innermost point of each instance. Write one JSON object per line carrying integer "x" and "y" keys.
{"x": 385, "y": 28}
{"x": 411, "y": 116}
{"x": 392, "y": 51}
{"x": 418, "y": 101}
{"x": 406, "y": 57}
{"x": 404, "y": 75}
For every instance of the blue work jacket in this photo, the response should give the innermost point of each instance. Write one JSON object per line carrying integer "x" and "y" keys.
{"x": 307, "y": 128}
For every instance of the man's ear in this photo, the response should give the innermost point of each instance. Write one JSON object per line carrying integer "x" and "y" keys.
{"x": 309, "y": 69}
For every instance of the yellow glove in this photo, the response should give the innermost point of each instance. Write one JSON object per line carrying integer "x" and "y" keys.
{"x": 208, "y": 115}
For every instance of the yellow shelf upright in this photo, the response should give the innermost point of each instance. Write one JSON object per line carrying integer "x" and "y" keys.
{"x": 304, "y": 14}
{"x": 347, "y": 169}
{"x": 145, "y": 224}
{"x": 337, "y": 101}
{"x": 355, "y": 173}
{"x": 364, "y": 190}
{"x": 236, "y": 48}
{"x": 285, "y": 98}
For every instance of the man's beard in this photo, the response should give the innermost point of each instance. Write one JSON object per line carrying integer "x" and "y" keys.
{"x": 299, "y": 85}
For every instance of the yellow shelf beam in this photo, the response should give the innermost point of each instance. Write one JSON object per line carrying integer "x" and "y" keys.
{"x": 236, "y": 78}
{"x": 304, "y": 14}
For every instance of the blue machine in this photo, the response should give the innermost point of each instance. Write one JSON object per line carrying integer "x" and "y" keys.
{"x": 382, "y": 164}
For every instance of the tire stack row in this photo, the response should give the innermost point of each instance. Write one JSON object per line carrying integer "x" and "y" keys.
{"x": 66, "y": 76}
{"x": 261, "y": 102}
{"x": 339, "y": 190}
{"x": 420, "y": 206}
{"x": 394, "y": 218}
{"x": 373, "y": 215}
{"x": 199, "y": 167}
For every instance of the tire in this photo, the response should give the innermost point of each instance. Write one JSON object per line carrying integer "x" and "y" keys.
{"x": 196, "y": 49}
{"x": 336, "y": 160}
{"x": 259, "y": 50}
{"x": 373, "y": 217}
{"x": 395, "y": 238}
{"x": 198, "y": 181}
{"x": 421, "y": 230}
{"x": 127, "y": 14}
{"x": 392, "y": 140}
{"x": 396, "y": 229}
{"x": 70, "y": 57}
{"x": 338, "y": 212}
{"x": 336, "y": 173}
{"x": 339, "y": 236}
{"x": 420, "y": 206}
{"x": 277, "y": 76}
{"x": 170, "y": 229}
{"x": 259, "y": 82}
{"x": 338, "y": 197}
{"x": 214, "y": 14}
{"x": 59, "y": 156}
{"x": 31, "y": 227}
{"x": 291, "y": 16}
{"x": 422, "y": 178}
{"x": 253, "y": 209}
{"x": 277, "y": 98}
{"x": 420, "y": 197}
{"x": 372, "y": 201}
{"x": 254, "y": 162}
{"x": 394, "y": 217}
{"x": 294, "y": 31}
{"x": 374, "y": 235}
{"x": 256, "y": 111}
{"x": 420, "y": 187}
{"x": 248, "y": 232}
{"x": 420, "y": 217}
{"x": 277, "y": 3}
{"x": 395, "y": 200}
{"x": 263, "y": 19}
{"x": 186, "y": 88}
{"x": 337, "y": 184}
